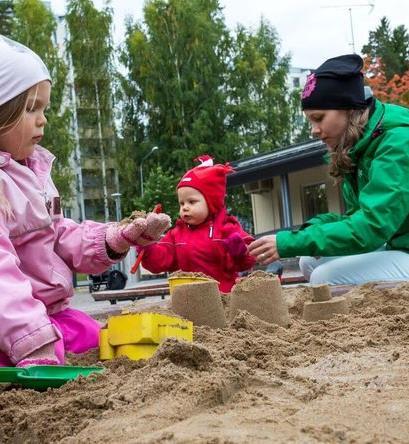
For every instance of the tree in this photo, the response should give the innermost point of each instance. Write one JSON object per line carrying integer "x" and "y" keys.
{"x": 176, "y": 64}
{"x": 34, "y": 26}
{"x": 6, "y": 17}
{"x": 193, "y": 87}
{"x": 157, "y": 182}
{"x": 258, "y": 99}
{"x": 395, "y": 90}
{"x": 392, "y": 46}
{"x": 91, "y": 49}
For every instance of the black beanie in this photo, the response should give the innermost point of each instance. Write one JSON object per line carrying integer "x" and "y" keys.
{"x": 337, "y": 84}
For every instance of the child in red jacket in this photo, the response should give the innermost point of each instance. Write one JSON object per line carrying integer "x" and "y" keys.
{"x": 205, "y": 238}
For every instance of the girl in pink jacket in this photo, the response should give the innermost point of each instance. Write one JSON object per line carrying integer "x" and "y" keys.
{"x": 205, "y": 239}
{"x": 39, "y": 248}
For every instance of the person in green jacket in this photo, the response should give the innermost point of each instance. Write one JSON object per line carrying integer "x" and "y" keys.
{"x": 368, "y": 153}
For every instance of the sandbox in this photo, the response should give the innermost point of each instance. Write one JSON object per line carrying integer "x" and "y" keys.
{"x": 339, "y": 380}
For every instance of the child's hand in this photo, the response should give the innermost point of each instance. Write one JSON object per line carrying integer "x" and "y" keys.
{"x": 157, "y": 224}
{"x": 121, "y": 237}
{"x": 44, "y": 355}
{"x": 235, "y": 245}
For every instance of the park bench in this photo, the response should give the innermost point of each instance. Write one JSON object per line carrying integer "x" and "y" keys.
{"x": 132, "y": 294}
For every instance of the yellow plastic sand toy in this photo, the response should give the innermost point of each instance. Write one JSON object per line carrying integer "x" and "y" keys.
{"x": 137, "y": 335}
{"x": 174, "y": 281}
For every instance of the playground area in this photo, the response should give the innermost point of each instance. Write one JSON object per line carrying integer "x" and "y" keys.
{"x": 343, "y": 379}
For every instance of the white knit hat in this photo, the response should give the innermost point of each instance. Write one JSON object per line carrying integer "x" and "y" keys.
{"x": 20, "y": 69}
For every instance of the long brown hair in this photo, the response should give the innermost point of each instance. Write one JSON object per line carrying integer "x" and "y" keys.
{"x": 12, "y": 111}
{"x": 341, "y": 162}
{"x": 10, "y": 114}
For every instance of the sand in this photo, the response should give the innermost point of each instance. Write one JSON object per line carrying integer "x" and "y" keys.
{"x": 342, "y": 380}
{"x": 260, "y": 294}
{"x": 200, "y": 303}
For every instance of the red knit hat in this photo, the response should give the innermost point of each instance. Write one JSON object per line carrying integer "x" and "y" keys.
{"x": 210, "y": 180}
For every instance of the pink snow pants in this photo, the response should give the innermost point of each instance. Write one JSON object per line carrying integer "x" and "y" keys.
{"x": 79, "y": 333}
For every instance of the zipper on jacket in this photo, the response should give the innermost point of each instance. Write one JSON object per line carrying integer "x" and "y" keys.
{"x": 211, "y": 231}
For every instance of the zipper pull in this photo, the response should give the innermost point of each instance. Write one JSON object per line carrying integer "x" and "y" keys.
{"x": 211, "y": 231}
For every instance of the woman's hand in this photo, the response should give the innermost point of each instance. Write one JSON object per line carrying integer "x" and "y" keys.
{"x": 264, "y": 249}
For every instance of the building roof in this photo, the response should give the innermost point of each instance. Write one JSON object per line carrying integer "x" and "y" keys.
{"x": 266, "y": 165}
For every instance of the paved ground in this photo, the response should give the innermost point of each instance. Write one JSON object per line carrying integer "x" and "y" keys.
{"x": 83, "y": 300}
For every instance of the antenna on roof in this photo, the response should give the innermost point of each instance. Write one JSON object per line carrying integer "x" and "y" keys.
{"x": 358, "y": 5}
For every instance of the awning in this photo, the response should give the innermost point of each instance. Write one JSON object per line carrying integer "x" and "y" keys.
{"x": 267, "y": 165}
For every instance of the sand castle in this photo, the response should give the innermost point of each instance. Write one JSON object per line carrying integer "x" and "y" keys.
{"x": 199, "y": 302}
{"x": 323, "y": 306}
{"x": 260, "y": 294}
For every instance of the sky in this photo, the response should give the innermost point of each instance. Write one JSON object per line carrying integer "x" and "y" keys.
{"x": 311, "y": 31}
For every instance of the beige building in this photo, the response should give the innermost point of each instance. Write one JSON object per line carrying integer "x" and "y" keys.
{"x": 287, "y": 187}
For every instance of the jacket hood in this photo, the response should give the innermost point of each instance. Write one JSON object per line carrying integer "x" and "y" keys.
{"x": 379, "y": 122}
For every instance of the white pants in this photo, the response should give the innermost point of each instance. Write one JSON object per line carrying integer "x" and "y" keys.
{"x": 380, "y": 265}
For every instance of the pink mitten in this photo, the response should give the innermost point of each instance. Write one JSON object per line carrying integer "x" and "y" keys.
{"x": 121, "y": 237}
{"x": 156, "y": 225}
{"x": 44, "y": 355}
{"x": 235, "y": 245}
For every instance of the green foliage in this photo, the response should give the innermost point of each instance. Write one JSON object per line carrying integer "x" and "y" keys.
{"x": 128, "y": 174}
{"x": 160, "y": 187}
{"x": 193, "y": 87}
{"x": 6, "y": 17}
{"x": 304, "y": 132}
{"x": 238, "y": 203}
{"x": 91, "y": 49}
{"x": 301, "y": 128}
{"x": 34, "y": 26}
{"x": 391, "y": 45}
{"x": 259, "y": 110}
{"x": 90, "y": 38}
{"x": 176, "y": 64}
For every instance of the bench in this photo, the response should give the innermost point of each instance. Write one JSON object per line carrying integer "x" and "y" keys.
{"x": 132, "y": 294}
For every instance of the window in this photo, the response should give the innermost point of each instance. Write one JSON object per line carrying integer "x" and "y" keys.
{"x": 94, "y": 209}
{"x": 67, "y": 212}
{"x": 92, "y": 179}
{"x": 90, "y": 148}
{"x": 296, "y": 82}
{"x": 314, "y": 200}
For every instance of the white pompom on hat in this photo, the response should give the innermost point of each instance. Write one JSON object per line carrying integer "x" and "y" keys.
{"x": 20, "y": 69}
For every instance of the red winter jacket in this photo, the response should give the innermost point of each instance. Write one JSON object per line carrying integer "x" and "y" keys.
{"x": 200, "y": 249}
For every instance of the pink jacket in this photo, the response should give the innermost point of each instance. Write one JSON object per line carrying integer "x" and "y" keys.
{"x": 200, "y": 249}
{"x": 39, "y": 248}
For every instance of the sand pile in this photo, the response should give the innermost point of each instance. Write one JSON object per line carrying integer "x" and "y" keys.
{"x": 339, "y": 380}
{"x": 134, "y": 215}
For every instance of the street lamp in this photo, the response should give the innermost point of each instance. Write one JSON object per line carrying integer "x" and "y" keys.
{"x": 155, "y": 148}
{"x": 117, "y": 197}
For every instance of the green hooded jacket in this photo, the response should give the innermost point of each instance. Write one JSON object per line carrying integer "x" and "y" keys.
{"x": 376, "y": 196}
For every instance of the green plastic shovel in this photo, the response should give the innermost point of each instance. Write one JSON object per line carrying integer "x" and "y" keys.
{"x": 41, "y": 377}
